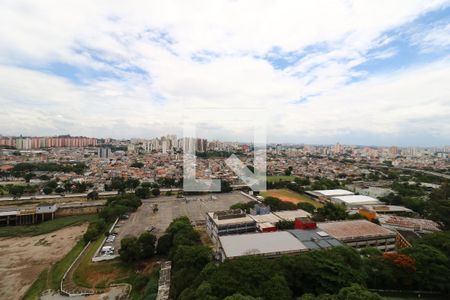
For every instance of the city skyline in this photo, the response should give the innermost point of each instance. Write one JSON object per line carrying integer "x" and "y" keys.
{"x": 359, "y": 74}
{"x": 41, "y": 141}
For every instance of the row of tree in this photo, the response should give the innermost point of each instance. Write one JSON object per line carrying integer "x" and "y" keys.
{"x": 337, "y": 273}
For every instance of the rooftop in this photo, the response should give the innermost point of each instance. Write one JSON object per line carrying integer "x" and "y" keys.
{"x": 315, "y": 238}
{"x": 267, "y": 244}
{"x": 411, "y": 223}
{"x": 291, "y": 215}
{"x": 331, "y": 193}
{"x": 387, "y": 208}
{"x": 348, "y": 230}
{"x": 356, "y": 200}
{"x": 239, "y": 220}
{"x": 270, "y": 218}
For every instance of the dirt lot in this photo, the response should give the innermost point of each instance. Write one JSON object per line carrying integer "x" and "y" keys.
{"x": 289, "y": 196}
{"x": 23, "y": 258}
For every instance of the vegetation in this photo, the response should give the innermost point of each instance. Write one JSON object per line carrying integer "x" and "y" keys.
{"x": 325, "y": 184}
{"x": 306, "y": 206}
{"x": 119, "y": 205}
{"x": 330, "y": 212}
{"x": 337, "y": 273}
{"x": 20, "y": 169}
{"x": 245, "y": 206}
{"x": 285, "y": 225}
{"x": 45, "y": 227}
{"x": 277, "y": 205}
{"x": 438, "y": 205}
{"x": 133, "y": 249}
{"x": 95, "y": 229}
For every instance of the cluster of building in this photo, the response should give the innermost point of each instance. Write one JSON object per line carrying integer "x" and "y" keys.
{"x": 28, "y": 143}
{"x": 236, "y": 234}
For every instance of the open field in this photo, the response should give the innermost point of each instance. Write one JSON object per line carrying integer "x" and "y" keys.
{"x": 289, "y": 196}
{"x": 51, "y": 278}
{"x": 45, "y": 227}
{"x": 23, "y": 259}
{"x": 280, "y": 178}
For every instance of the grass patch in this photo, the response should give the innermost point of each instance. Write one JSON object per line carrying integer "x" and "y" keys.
{"x": 290, "y": 196}
{"x": 280, "y": 178}
{"x": 38, "y": 286}
{"x": 80, "y": 276}
{"x": 45, "y": 227}
{"x": 57, "y": 271}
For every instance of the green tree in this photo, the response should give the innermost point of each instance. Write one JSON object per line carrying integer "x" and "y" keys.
{"x": 330, "y": 212}
{"x": 47, "y": 190}
{"x": 156, "y": 192}
{"x": 164, "y": 244}
{"x": 130, "y": 249}
{"x": 276, "y": 288}
{"x": 306, "y": 207}
{"x": 432, "y": 267}
{"x": 357, "y": 292}
{"x": 241, "y": 297}
{"x": 438, "y": 206}
{"x": 147, "y": 244}
{"x": 142, "y": 192}
{"x": 16, "y": 190}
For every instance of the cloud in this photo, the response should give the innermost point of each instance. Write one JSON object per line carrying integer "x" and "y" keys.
{"x": 136, "y": 68}
{"x": 435, "y": 38}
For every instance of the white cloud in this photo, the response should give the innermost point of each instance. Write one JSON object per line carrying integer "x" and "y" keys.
{"x": 435, "y": 38}
{"x": 161, "y": 37}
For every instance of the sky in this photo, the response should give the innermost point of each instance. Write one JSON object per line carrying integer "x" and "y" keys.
{"x": 317, "y": 72}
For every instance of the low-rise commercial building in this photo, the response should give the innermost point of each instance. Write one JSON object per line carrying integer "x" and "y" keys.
{"x": 360, "y": 234}
{"x": 271, "y": 244}
{"x": 355, "y": 201}
{"x": 325, "y": 195}
{"x": 227, "y": 222}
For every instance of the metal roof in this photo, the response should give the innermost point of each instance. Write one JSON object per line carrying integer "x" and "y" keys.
{"x": 267, "y": 244}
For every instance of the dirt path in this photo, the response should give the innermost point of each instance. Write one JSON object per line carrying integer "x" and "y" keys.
{"x": 23, "y": 259}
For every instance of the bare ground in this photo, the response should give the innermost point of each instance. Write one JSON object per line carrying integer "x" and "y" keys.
{"x": 22, "y": 259}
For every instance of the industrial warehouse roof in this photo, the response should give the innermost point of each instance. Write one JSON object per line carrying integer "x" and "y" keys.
{"x": 291, "y": 215}
{"x": 266, "y": 244}
{"x": 408, "y": 223}
{"x": 356, "y": 200}
{"x": 270, "y": 218}
{"x": 349, "y": 230}
{"x": 332, "y": 193}
{"x": 315, "y": 238}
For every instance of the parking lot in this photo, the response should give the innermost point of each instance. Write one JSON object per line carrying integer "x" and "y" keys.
{"x": 169, "y": 208}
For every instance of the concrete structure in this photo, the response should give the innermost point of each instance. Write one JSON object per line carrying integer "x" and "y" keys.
{"x": 26, "y": 215}
{"x": 228, "y": 222}
{"x": 355, "y": 201}
{"x": 360, "y": 234}
{"x": 271, "y": 244}
{"x": 291, "y": 215}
